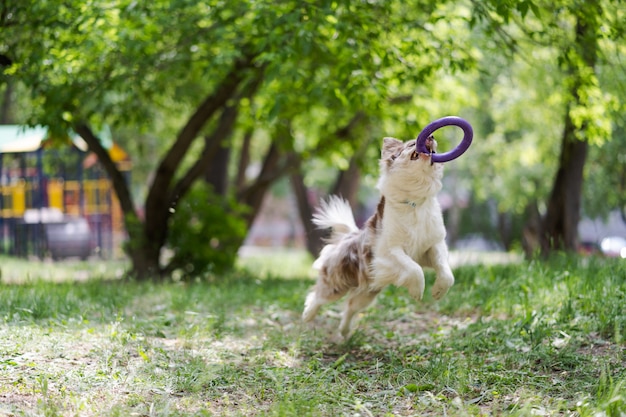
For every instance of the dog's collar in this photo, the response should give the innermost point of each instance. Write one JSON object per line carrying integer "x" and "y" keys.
{"x": 410, "y": 203}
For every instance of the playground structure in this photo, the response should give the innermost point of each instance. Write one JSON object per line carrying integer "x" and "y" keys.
{"x": 56, "y": 201}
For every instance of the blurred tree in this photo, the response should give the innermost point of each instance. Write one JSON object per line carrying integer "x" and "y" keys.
{"x": 272, "y": 84}
{"x": 605, "y": 177}
{"x": 576, "y": 35}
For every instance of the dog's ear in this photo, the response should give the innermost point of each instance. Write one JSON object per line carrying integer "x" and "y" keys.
{"x": 391, "y": 147}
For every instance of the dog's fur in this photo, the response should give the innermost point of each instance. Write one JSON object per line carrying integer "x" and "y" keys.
{"x": 405, "y": 233}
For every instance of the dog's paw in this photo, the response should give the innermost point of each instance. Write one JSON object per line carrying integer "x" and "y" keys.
{"x": 311, "y": 307}
{"x": 413, "y": 281}
{"x": 439, "y": 292}
{"x": 346, "y": 326}
{"x": 441, "y": 286}
{"x": 416, "y": 290}
{"x": 307, "y": 315}
{"x": 345, "y": 332}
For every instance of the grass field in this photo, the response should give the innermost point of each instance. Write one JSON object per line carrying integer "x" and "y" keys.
{"x": 543, "y": 339}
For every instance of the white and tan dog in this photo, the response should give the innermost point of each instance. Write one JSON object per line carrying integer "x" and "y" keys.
{"x": 404, "y": 234}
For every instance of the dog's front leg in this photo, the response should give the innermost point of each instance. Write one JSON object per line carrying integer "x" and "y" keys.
{"x": 438, "y": 258}
{"x": 394, "y": 266}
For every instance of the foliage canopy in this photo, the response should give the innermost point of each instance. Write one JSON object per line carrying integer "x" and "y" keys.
{"x": 294, "y": 85}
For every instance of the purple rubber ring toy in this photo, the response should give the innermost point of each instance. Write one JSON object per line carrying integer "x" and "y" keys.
{"x": 468, "y": 134}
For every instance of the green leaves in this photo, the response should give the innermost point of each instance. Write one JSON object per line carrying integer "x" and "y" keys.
{"x": 145, "y": 67}
{"x": 129, "y": 63}
{"x": 199, "y": 218}
{"x": 524, "y": 6}
{"x": 552, "y": 74}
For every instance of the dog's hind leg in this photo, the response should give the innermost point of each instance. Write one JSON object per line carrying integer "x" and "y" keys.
{"x": 319, "y": 296}
{"x": 356, "y": 302}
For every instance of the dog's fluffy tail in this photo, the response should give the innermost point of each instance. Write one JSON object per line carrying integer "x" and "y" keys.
{"x": 336, "y": 214}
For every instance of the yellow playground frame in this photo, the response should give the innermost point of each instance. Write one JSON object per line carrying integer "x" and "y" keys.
{"x": 56, "y": 202}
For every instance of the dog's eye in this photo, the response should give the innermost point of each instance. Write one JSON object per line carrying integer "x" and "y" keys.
{"x": 414, "y": 155}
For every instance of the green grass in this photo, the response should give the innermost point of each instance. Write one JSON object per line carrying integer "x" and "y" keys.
{"x": 515, "y": 340}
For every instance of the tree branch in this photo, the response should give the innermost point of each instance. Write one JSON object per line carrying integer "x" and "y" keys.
{"x": 167, "y": 168}
{"x": 313, "y": 234}
{"x": 222, "y": 131}
{"x": 212, "y": 142}
{"x": 117, "y": 178}
{"x": 244, "y": 159}
{"x": 275, "y": 165}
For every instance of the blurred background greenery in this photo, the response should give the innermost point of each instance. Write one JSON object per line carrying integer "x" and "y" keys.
{"x": 277, "y": 104}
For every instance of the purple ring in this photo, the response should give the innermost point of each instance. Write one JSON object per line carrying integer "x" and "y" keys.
{"x": 468, "y": 134}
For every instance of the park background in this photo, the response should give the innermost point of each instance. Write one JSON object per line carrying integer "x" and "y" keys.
{"x": 236, "y": 118}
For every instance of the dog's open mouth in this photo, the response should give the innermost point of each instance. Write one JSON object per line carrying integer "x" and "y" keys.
{"x": 429, "y": 147}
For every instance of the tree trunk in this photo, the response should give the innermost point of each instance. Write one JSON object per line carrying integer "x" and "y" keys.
{"x": 244, "y": 160}
{"x": 347, "y": 183}
{"x": 144, "y": 254}
{"x": 531, "y": 231}
{"x": 145, "y": 259}
{"x": 147, "y": 238}
{"x": 217, "y": 168}
{"x": 346, "y": 186}
{"x": 313, "y": 235}
{"x": 217, "y": 171}
{"x": 252, "y": 196}
{"x": 122, "y": 191}
{"x": 161, "y": 198}
{"x": 6, "y": 116}
{"x": 560, "y": 224}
